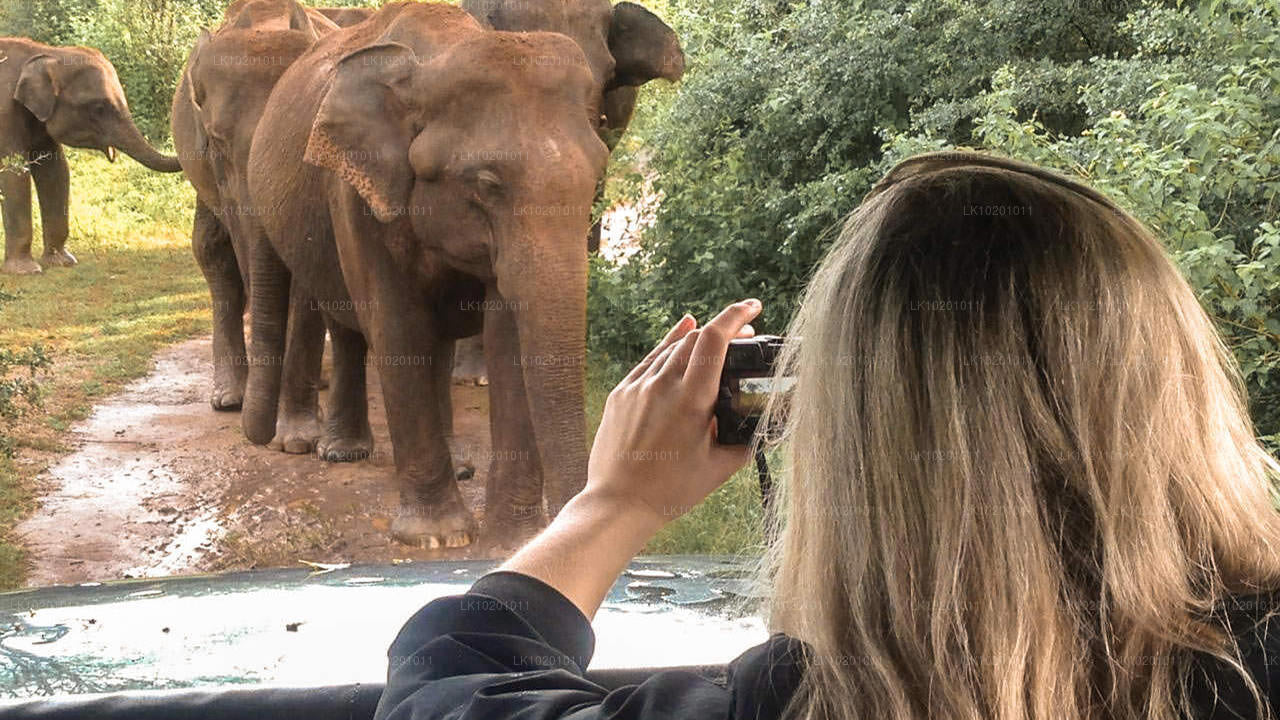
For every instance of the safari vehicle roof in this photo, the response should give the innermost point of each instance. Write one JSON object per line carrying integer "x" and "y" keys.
{"x": 306, "y": 628}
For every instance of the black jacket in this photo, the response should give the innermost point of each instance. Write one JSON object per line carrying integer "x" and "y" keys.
{"x": 514, "y": 647}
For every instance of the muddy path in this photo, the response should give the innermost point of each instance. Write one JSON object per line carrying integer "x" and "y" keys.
{"x": 160, "y": 484}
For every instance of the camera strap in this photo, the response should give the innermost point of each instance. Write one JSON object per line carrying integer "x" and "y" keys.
{"x": 766, "y": 482}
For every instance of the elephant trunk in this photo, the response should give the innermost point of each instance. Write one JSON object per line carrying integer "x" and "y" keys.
{"x": 547, "y": 285}
{"x": 129, "y": 140}
{"x": 269, "y": 287}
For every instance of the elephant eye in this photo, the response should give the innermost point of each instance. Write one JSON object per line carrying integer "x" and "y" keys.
{"x": 488, "y": 182}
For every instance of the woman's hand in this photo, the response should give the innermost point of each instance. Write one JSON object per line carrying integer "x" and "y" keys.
{"x": 655, "y": 457}
{"x": 655, "y": 451}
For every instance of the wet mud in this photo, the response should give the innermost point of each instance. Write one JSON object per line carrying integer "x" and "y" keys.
{"x": 160, "y": 484}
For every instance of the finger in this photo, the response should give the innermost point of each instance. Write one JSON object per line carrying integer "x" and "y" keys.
{"x": 663, "y": 358}
{"x": 683, "y": 326}
{"x": 675, "y": 365}
{"x": 707, "y": 362}
{"x": 747, "y": 332}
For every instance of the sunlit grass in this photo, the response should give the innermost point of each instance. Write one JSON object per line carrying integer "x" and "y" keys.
{"x": 137, "y": 289}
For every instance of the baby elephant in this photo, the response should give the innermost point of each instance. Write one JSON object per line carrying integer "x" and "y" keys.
{"x": 50, "y": 97}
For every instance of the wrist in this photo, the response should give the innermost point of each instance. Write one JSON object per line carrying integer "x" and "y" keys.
{"x": 625, "y": 513}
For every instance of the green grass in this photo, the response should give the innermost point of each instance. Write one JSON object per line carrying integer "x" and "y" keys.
{"x": 137, "y": 289}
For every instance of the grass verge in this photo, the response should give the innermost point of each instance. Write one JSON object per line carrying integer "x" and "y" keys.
{"x": 137, "y": 288}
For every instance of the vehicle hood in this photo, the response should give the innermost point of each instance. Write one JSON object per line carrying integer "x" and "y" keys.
{"x": 299, "y": 627}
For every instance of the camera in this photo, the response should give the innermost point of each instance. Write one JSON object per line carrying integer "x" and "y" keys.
{"x": 745, "y": 386}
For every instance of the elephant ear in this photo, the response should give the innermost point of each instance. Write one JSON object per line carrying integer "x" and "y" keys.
{"x": 359, "y": 132}
{"x": 643, "y": 46}
{"x": 301, "y": 21}
{"x": 201, "y": 138}
{"x": 38, "y": 87}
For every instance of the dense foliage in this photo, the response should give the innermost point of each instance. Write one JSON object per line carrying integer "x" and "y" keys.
{"x": 791, "y": 110}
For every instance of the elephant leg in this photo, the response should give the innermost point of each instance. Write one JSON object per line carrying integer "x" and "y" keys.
{"x": 513, "y": 494}
{"x": 53, "y": 185}
{"x": 216, "y": 257}
{"x": 298, "y": 427}
{"x": 269, "y": 307}
{"x": 405, "y": 343}
{"x": 444, "y": 374}
{"x": 347, "y": 436}
{"x": 15, "y": 201}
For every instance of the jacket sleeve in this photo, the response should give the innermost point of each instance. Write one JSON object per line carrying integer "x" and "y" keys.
{"x": 513, "y": 646}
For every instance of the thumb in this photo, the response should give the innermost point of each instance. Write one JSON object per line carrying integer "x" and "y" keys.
{"x": 729, "y": 459}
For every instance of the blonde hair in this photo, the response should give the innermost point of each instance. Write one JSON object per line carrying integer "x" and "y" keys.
{"x": 1021, "y": 478}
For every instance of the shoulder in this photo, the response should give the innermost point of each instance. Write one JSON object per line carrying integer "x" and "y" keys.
{"x": 1218, "y": 690}
{"x": 762, "y": 679}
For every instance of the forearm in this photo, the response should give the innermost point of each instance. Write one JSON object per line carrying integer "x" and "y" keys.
{"x": 582, "y": 552}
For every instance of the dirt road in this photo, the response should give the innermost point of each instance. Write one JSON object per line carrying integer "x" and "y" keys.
{"x": 160, "y": 484}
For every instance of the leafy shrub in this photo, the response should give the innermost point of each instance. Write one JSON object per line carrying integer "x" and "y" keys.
{"x": 20, "y": 388}
{"x": 1198, "y": 158}
{"x": 790, "y": 112}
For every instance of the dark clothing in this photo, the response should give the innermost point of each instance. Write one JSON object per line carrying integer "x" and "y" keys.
{"x": 514, "y": 647}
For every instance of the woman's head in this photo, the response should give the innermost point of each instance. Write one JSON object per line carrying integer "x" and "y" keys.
{"x": 1022, "y": 472}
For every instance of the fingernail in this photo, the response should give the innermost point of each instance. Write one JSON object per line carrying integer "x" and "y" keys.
{"x": 752, "y": 303}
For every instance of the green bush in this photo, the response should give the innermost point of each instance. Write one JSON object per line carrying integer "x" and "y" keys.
{"x": 20, "y": 388}
{"x": 790, "y": 111}
{"x": 1197, "y": 158}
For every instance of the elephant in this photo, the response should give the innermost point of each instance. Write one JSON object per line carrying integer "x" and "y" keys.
{"x": 219, "y": 99}
{"x": 429, "y": 177}
{"x": 628, "y": 46}
{"x": 346, "y": 16}
{"x": 50, "y": 97}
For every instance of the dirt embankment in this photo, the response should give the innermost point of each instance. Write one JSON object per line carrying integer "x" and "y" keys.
{"x": 160, "y": 484}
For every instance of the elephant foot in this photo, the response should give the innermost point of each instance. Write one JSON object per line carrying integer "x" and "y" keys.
{"x": 336, "y": 449}
{"x": 476, "y": 380}
{"x": 508, "y": 529}
{"x": 297, "y": 435}
{"x": 443, "y": 524}
{"x": 228, "y": 389}
{"x": 21, "y": 266}
{"x": 58, "y": 258}
{"x": 225, "y": 399}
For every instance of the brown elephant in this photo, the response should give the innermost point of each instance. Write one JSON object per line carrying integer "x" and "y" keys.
{"x": 219, "y": 99}
{"x": 423, "y": 171}
{"x": 50, "y": 97}
{"x": 627, "y": 46}
{"x": 346, "y": 16}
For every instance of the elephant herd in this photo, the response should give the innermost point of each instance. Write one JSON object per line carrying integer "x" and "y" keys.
{"x": 397, "y": 179}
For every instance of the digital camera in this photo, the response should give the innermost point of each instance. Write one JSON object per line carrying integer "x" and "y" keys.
{"x": 745, "y": 386}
